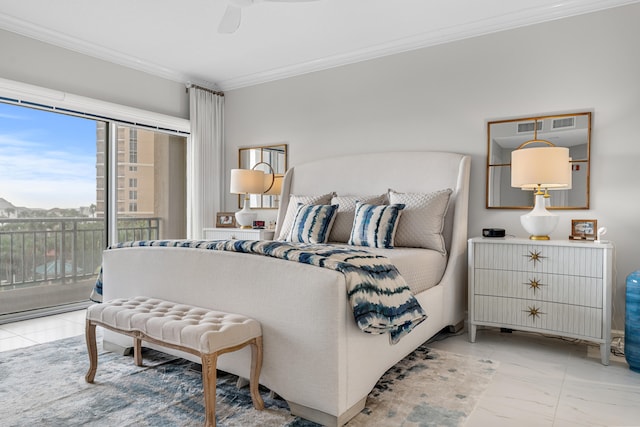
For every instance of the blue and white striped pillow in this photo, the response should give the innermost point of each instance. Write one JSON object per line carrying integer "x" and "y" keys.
{"x": 375, "y": 226}
{"x": 312, "y": 223}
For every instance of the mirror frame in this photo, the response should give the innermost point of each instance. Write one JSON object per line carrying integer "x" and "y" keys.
{"x": 263, "y": 201}
{"x": 577, "y": 163}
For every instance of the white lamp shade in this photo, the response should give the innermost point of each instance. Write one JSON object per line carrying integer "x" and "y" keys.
{"x": 276, "y": 188}
{"x": 547, "y": 167}
{"x": 247, "y": 181}
{"x": 568, "y": 187}
{"x": 570, "y": 178}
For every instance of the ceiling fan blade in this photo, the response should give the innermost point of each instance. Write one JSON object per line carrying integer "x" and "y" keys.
{"x": 230, "y": 21}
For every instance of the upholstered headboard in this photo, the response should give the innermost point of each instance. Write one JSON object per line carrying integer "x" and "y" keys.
{"x": 375, "y": 173}
{"x": 410, "y": 172}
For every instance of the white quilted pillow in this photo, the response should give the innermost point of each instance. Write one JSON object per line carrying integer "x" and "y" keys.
{"x": 292, "y": 208}
{"x": 422, "y": 219}
{"x": 341, "y": 230}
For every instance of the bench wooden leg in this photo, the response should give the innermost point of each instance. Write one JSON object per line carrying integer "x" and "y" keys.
{"x": 92, "y": 349}
{"x": 256, "y": 366}
{"x": 209, "y": 379}
{"x": 137, "y": 351}
{"x": 209, "y": 364}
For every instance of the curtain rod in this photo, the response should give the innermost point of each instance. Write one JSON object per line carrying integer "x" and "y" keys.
{"x": 215, "y": 92}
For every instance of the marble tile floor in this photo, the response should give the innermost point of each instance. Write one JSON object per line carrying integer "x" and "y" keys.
{"x": 540, "y": 380}
{"x": 41, "y": 330}
{"x": 549, "y": 381}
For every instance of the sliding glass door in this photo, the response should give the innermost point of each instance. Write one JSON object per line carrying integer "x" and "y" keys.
{"x": 148, "y": 182}
{"x": 67, "y": 182}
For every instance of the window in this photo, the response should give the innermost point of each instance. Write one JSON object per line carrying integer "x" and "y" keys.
{"x": 50, "y": 234}
{"x": 133, "y": 145}
{"x": 56, "y": 219}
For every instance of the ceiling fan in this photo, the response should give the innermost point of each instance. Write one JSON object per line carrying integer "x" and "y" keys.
{"x": 231, "y": 19}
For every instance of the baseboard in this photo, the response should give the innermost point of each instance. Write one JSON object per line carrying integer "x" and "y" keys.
{"x": 42, "y": 312}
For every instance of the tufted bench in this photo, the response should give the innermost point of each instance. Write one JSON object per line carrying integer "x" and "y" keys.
{"x": 195, "y": 330}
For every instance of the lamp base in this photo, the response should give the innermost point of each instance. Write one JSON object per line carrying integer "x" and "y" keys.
{"x": 245, "y": 217}
{"x": 539, "y": 222}
{"x": 532, "y": 237}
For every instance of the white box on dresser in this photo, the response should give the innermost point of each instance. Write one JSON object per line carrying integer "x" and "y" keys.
{"x": 237, "y": 234}
{"x": 556, "y": 287}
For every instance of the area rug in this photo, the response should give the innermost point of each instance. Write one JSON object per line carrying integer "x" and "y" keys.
{"x": 44, "y": 385}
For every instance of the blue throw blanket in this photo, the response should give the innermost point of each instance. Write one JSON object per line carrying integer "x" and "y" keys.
{"x": 379, "y": 296}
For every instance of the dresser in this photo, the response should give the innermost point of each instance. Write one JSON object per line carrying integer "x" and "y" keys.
{"x": 237, "y": 234}
{"x": 554, "y": 287}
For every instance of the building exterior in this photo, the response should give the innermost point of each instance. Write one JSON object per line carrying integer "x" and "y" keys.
{"x": 136, "y": 195}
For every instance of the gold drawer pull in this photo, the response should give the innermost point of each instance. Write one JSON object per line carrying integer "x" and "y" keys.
{"x": 535, "y": 256}
{"x": 534, "y": 312}
{"x": 534, "y": 284}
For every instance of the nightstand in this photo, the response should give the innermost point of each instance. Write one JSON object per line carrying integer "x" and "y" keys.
{"x": 555, "y": 287}
{"x": 237, "y": 234}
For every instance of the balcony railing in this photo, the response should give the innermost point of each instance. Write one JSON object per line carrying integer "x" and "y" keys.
{"x": 35, "y": 251}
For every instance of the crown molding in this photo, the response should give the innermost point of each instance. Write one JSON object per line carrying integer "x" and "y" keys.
{"x": 495, "y": 24}
{"x": 534, "y": 15}
{"x": 65, "y": 41}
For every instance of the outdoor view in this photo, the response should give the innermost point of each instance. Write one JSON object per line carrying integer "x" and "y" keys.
{"x": 53, "y": 201}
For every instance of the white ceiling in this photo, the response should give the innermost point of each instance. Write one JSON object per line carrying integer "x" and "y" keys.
{"x": 178, "y": 39}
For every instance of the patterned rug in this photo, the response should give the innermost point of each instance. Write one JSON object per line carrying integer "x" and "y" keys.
{"x": 44, "y": 385}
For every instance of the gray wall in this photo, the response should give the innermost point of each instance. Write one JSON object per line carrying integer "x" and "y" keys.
{"x": 440, "y": 98}
{"x": 30, "y": 61}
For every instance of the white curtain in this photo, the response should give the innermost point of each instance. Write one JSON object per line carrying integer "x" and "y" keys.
{"x": 205, "y": 160}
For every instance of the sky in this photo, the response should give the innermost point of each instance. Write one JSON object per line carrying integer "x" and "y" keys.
{"x": 47, "y": 160}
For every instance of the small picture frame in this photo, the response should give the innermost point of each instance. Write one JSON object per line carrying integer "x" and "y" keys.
{"x": 583, "y": 229}
{"x": 225, "y": 220}
{"x": 258, "y": 224}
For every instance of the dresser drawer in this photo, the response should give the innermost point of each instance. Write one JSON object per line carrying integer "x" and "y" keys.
{"x": 576, "y": 290}
{"x": 551, "y": 317}
{"x": 553, "y": 287}
{"x": 571, "y": 260}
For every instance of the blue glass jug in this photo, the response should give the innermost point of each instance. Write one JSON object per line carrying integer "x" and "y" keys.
{"x": 632, "y": 322}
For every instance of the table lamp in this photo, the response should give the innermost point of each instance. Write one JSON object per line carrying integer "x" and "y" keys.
{"x": 246, "y": 181}
{"x": 540, "y": 168}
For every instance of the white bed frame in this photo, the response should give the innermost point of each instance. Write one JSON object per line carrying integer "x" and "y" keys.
{"x": 315, "y": 357}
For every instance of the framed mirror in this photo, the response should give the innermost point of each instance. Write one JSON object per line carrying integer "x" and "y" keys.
{"x": 572, "y": 130}
{"x": 265, "y": 158}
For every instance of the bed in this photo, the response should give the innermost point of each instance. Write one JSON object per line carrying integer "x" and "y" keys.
{"x": 315, "y": 357}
